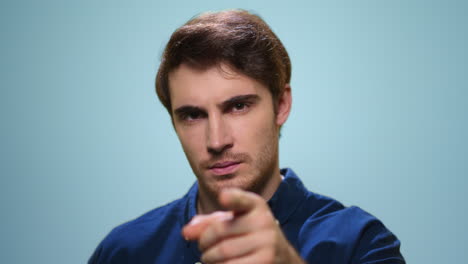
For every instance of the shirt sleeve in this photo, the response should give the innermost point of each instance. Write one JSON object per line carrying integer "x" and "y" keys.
{"x": 94, "y": 259}
{"x": 377, "y": 245}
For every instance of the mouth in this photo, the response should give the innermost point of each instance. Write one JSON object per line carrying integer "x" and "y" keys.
{"x": 223, "y": 168}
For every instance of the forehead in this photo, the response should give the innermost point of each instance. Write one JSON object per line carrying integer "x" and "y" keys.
{"x": 191, "y": 86}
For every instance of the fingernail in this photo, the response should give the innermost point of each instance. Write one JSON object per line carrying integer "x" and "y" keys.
{"x": 226, "y": 217}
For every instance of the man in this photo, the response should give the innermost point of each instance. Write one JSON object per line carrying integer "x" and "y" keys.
{"x": 224, "y": 79}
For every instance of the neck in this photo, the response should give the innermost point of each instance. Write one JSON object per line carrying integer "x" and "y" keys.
{"x": 207, "y": 202}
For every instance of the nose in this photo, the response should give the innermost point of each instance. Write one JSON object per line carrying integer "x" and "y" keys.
{"x": 219, "y": 138}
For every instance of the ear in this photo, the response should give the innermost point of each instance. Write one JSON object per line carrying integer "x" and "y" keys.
{"x": 284, "y": 105}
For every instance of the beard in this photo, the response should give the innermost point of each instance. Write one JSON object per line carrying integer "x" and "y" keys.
{"x": 254, "y": 177}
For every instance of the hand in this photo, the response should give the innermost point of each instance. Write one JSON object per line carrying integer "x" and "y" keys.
{"x": 248, "y": 233}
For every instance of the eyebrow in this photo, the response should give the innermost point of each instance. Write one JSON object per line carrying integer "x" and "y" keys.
{"x": 233, "y": 100}
{"x": 240, "y": 98}
{"x": 187, "y": 109}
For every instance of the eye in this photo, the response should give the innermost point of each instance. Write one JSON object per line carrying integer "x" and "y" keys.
{"x": 239, "y": 107}
{"x": 191, "y": 116}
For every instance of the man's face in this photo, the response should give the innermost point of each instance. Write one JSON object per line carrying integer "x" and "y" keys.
{"x": 226, "y": 124}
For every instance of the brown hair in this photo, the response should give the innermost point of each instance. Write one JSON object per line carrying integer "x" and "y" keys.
{"x": 236, "y": 37}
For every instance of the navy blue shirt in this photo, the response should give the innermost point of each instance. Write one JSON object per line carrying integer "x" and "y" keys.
{"x": 321, "y": 229}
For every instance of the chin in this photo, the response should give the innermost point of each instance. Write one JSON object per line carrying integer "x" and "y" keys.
{"x": 233, "y": 181}
{"x": 253, "y": 181}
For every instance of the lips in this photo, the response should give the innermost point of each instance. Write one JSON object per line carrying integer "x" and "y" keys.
{"x": 223, "y": 168}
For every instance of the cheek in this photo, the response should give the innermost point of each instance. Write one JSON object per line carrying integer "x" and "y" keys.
{"x": 190, "y": 138}
{"x": 256, "y": 130}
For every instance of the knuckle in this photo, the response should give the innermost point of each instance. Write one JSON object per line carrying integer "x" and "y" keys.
{"x": 205, "y": 239}
{"x": 265, "y": 219}
{"x": 218, "y": 228}
{"x": 211, "y": 235}
{"x": 269, "y": 240}
{"x": 271, "y": 235}
{"x": 223, "y": 250}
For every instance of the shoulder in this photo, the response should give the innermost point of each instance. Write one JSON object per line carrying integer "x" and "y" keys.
{"x": 328, "y": 214}
{"x": 329, "y": 210}
{"x": 167, "y": 214}
{"x": 350, "y": 230}
{"x": 133, "y": 235}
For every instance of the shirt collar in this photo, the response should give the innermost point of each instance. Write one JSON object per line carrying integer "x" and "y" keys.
{"x": 191, "y": 207}
{"x": 289, "y": 195}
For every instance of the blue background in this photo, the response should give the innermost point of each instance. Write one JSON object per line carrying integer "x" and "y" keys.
{"x": 379, "y": 117}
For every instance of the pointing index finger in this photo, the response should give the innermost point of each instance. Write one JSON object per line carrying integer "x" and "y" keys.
{"x": 194, "y": 229}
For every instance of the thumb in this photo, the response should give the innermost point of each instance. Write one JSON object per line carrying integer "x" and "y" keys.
{"x": 239, "y": 201}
